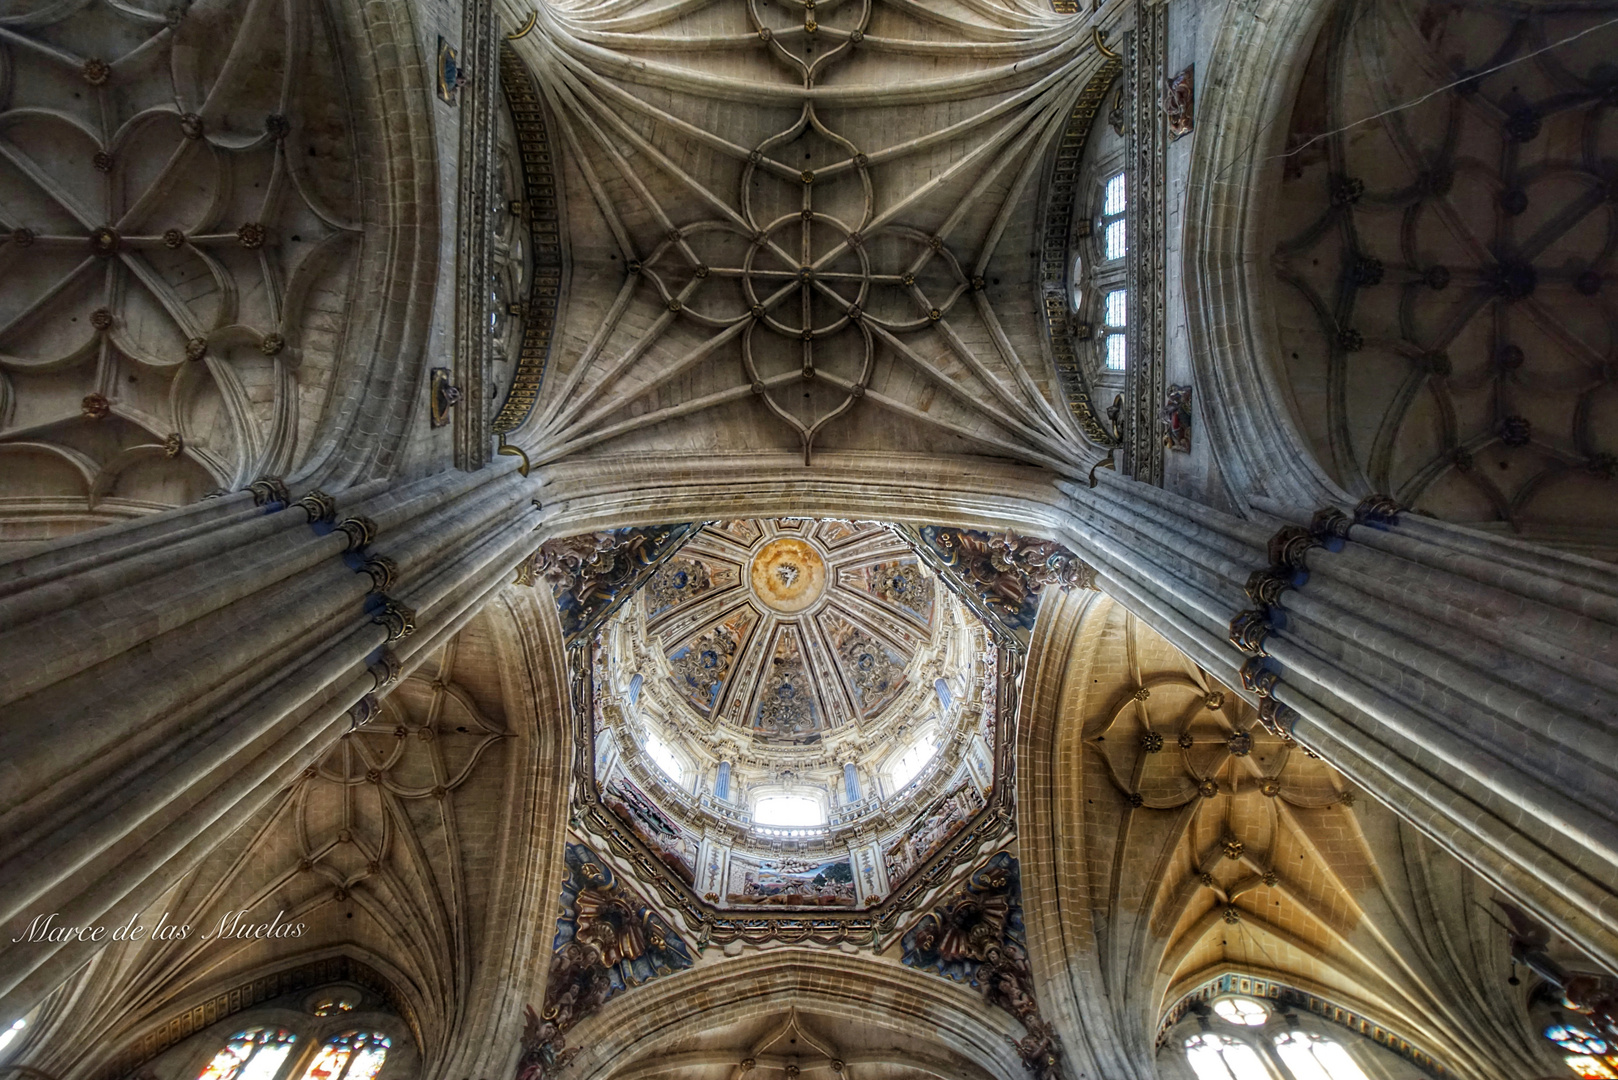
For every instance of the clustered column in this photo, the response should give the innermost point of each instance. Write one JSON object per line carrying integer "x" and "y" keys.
{"x": 160, "y": 680}
{"x": 1469, "y": 681}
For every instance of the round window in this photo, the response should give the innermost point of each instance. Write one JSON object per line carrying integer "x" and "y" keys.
{"x": 1241, "y": 1010}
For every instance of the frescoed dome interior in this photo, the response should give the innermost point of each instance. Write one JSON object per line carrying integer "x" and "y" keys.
{"x": 794, "y": 684}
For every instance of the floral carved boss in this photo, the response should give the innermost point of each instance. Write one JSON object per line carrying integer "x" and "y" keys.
{"x": 179, "y": 216}
{"x": 809, "y": 275}
{"x": 830, "y": 252}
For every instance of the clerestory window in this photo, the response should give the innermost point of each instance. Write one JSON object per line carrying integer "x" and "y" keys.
{"x": 1315, "y": 1057}
{"x": 1100, "y": 272}
{"x": 1241, "y": 1010}
{"x": 1114, "y": 203}
{"x": 1586, "y": 1054}
{"x": 253, "y": 1054}
{"x": 1220, "y": 1057}
{"x": 354, "y": 1055}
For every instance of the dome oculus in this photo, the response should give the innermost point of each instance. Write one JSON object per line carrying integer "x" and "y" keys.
{"x": 787, "y": 575}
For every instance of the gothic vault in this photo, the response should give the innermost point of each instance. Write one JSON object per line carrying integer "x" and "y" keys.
{"x": 852, "y": 539}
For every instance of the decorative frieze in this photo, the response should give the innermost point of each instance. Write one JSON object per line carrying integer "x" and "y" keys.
{"x": 476, "y": 97}
{"x": 1060, "y": 193}
{"x": 541, "y": 188}
{"x": 1148, "y": 140}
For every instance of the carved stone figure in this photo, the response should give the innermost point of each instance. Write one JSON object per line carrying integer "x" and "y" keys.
{"x": 1174, "y": 420}
{"x": 591, "y": 572}
{"x": 1007, "y": 571}
{"x": 1179, "y": 103}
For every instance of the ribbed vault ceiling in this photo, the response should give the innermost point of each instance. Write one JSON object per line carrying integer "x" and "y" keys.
{"x": 1447, "y": 271}
{"x": 799, "y": 227}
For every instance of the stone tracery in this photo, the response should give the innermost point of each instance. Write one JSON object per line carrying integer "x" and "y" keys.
{"x": 182, "y": 223}
{"x": 1446, "y": 321}
{"x": 846, "y": 268}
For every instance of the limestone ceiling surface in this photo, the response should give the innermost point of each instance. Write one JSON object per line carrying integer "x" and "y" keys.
{"x": 1448, "y": 303}
{"x": 789, "y": 1043}
{"x": 181, "y": 219}
{"x": 384, "y": 849}
{"x": 799, "y": 226}
{"x": 1212, "y": 845}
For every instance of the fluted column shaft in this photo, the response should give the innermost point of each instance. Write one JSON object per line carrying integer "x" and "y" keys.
{"x": 157, "y": 685}
{"x": 1469, "y": 681}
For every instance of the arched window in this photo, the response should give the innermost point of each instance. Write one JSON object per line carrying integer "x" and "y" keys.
{"x": 789, "y": 811}
{"x": 254, "y": 1054}
{"x": 914, "y": 758}
{"x": 1220, "y": 1057}
{"x": 356, "y": 1055}
{"x": 660, "y": 752}
{"x": 1587, "y": 1054}
{"x": 1315, "y": 1057}
{"x": 1113, "y": 243}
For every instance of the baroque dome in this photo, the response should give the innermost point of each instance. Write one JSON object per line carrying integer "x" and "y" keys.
{"x": 798, "y": 685}
{"x": 785, "y": 632}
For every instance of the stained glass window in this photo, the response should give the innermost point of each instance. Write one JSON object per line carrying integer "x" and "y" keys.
{"x": 1219, "y": 1057}
{"x": 254, "y": 1054}
{"x": 1240, "y": 1010}
{"x": 356, "y": 1055}
{"x": 1588, "y": 1054}
{"x": 1576, "y": 1040}
{"x": 1315, "y": 1057}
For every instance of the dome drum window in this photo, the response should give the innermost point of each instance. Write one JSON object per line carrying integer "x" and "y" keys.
{"x": 791, "y": 811}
